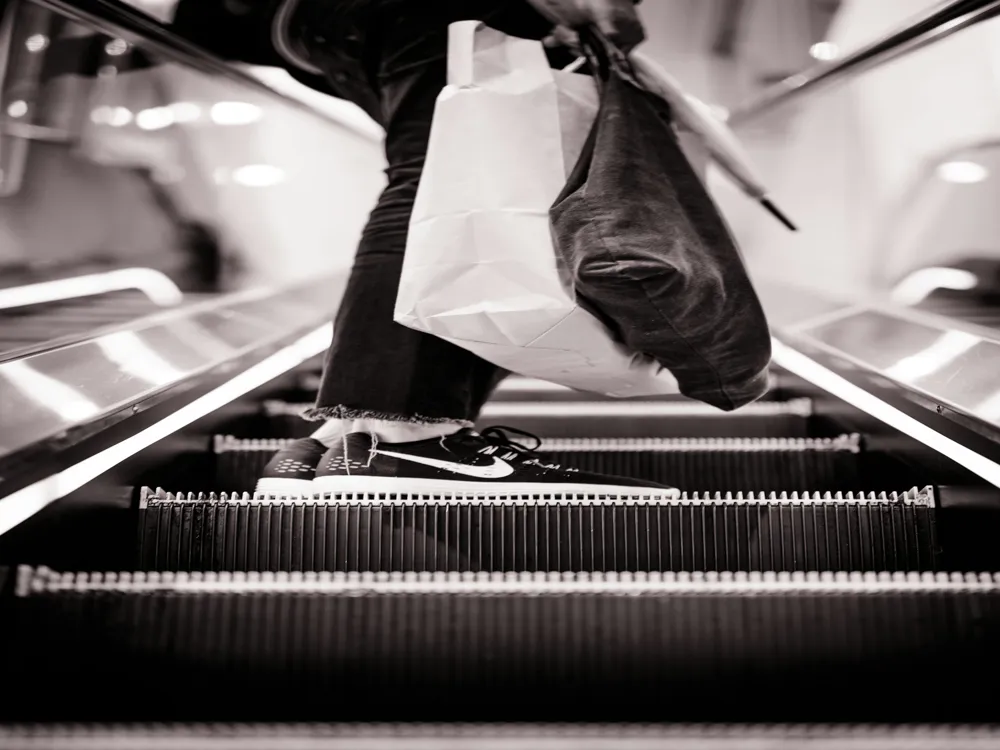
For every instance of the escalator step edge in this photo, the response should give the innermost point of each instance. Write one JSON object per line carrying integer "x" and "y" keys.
{"x": 517, "y": 647}
{"x": 712, "y": 532}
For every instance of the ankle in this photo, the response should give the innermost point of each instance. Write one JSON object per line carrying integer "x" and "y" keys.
{"x": 404, "y": 432}
{"x": 332, "y": 430}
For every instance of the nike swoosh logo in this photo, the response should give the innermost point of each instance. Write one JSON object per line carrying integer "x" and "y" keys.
{"x": 497, "y": 470}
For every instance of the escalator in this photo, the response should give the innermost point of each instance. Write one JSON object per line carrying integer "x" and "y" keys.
{"x": 795, "y": 582}
{"x": 826, "y": 578}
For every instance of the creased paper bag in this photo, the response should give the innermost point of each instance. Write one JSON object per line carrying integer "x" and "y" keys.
{"x": 480, "y": 269}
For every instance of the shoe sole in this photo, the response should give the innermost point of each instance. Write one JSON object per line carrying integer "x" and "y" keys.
{"x": 403, "y": 485}
{"x": 285, "y": 486}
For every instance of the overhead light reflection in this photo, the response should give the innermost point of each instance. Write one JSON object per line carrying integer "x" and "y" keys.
{"x": 155, "y": 285}
{"x": 812, "y": 371}
{"x": 235, "y": 113}
{"x": 258, "y": 175}
{"x": 116, "y": 47}
{"x": 184, "y": 111}
{"x": 989, "y": 409}
{"x": 824, "y": 51}
{"x": 962, "y": 172}
{"x": 133, "y": 356}
{"x": 36, "y": 42}
{"x": 48, "y": 392}
{"x": 920, "y": 284}
{"x": 17, "y": 108}
{"x": 116, "y": 117}
{"x": 100, "y": 115}
{"x": 945, "y": 350}
{"x": 25, "y": 502}
{"x": 721, "y": 113}
{"x": 155, "y": 118}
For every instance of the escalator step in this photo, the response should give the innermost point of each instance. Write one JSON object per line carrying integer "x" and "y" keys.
{"x": 693, "y": 464}
{"x": 589, "y": 736}
{"x": 529, "y": 647}
{"x": 605, "y": 419}
{"x": 191, "y": 532}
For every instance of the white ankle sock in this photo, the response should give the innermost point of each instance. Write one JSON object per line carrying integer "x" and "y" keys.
{"x": 387, "y": 431}
{"x": 403, "y": 432}
{"x": 332, "y": 430}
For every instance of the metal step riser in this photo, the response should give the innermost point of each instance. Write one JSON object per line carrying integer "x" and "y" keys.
{"x": 691, "y": 470}
{"x": 437, "y": 657}
{"x": 517, "y": 537}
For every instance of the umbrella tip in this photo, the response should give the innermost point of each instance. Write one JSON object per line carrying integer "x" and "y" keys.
{"x": 777, "y": 213}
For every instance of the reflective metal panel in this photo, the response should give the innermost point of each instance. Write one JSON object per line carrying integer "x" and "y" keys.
{"x": 956, "y": 366}
{"x": 48, "y": 393}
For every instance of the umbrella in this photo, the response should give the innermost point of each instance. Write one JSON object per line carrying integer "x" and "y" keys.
{"x": 720, "y": 141}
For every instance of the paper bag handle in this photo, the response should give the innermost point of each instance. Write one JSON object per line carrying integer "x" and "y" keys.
{"x": 478, "y": 53}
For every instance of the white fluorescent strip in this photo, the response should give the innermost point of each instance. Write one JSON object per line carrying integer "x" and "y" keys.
{"x": 920, "y": 284}
{"x": 131, "y": 354}
{"x": 810, "y": 370}
{"x": 154, "y": 284}
{"x": 24, "y": 503}
{"x": 945, "y": 350}
{"x": 49, "y": 393}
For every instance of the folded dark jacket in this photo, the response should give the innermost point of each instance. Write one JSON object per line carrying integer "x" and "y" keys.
{"x": 651, "y": 254}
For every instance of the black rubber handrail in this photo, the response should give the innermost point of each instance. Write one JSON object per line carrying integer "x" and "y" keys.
{"x": 159, "y": 39}
{"x": 930, "y": 27}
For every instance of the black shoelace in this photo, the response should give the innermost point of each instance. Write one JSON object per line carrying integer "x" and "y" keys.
{"x": 500, "y": 435}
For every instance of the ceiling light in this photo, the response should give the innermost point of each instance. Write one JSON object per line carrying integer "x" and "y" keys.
{"x": 962, "y": 172}
{"x": 119, "y": 117}
{"x": 18, "y": 108}
{"x": 36, "y": 42}
{"x": 235, "y": 113}
{"x": 825, "y": 51}
{"x": 258, "y": 175}
{"x": 155, "y": 118}
{"x": 116, "y": 47}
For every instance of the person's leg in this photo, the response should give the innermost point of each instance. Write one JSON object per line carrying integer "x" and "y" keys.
{"x": 378, "y": 369}
{"x": 390, "y": 58}
{"x": 438, "y": 382}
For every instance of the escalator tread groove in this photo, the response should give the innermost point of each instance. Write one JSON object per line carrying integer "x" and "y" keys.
{"x": 486, "y": 534}
{"x": 586, "y": 646}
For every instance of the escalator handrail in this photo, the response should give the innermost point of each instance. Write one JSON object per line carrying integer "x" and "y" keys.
{"x": 932, "y": 26}
{"x": 158, "y": 38}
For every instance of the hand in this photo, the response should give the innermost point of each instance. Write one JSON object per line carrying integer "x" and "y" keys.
{"x": 617, "y": 19}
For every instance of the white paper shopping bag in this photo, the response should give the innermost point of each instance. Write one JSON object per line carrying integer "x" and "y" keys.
{"x": 480, "y": 269}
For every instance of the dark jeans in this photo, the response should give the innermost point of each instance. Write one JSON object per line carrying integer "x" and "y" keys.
{"x": 390, "y": 58}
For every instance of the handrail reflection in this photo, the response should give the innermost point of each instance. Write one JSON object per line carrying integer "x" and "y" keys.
{"x": 156, "y": 37}
{"x": 156, "y": 285}
{"x": 934, "y": 25}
